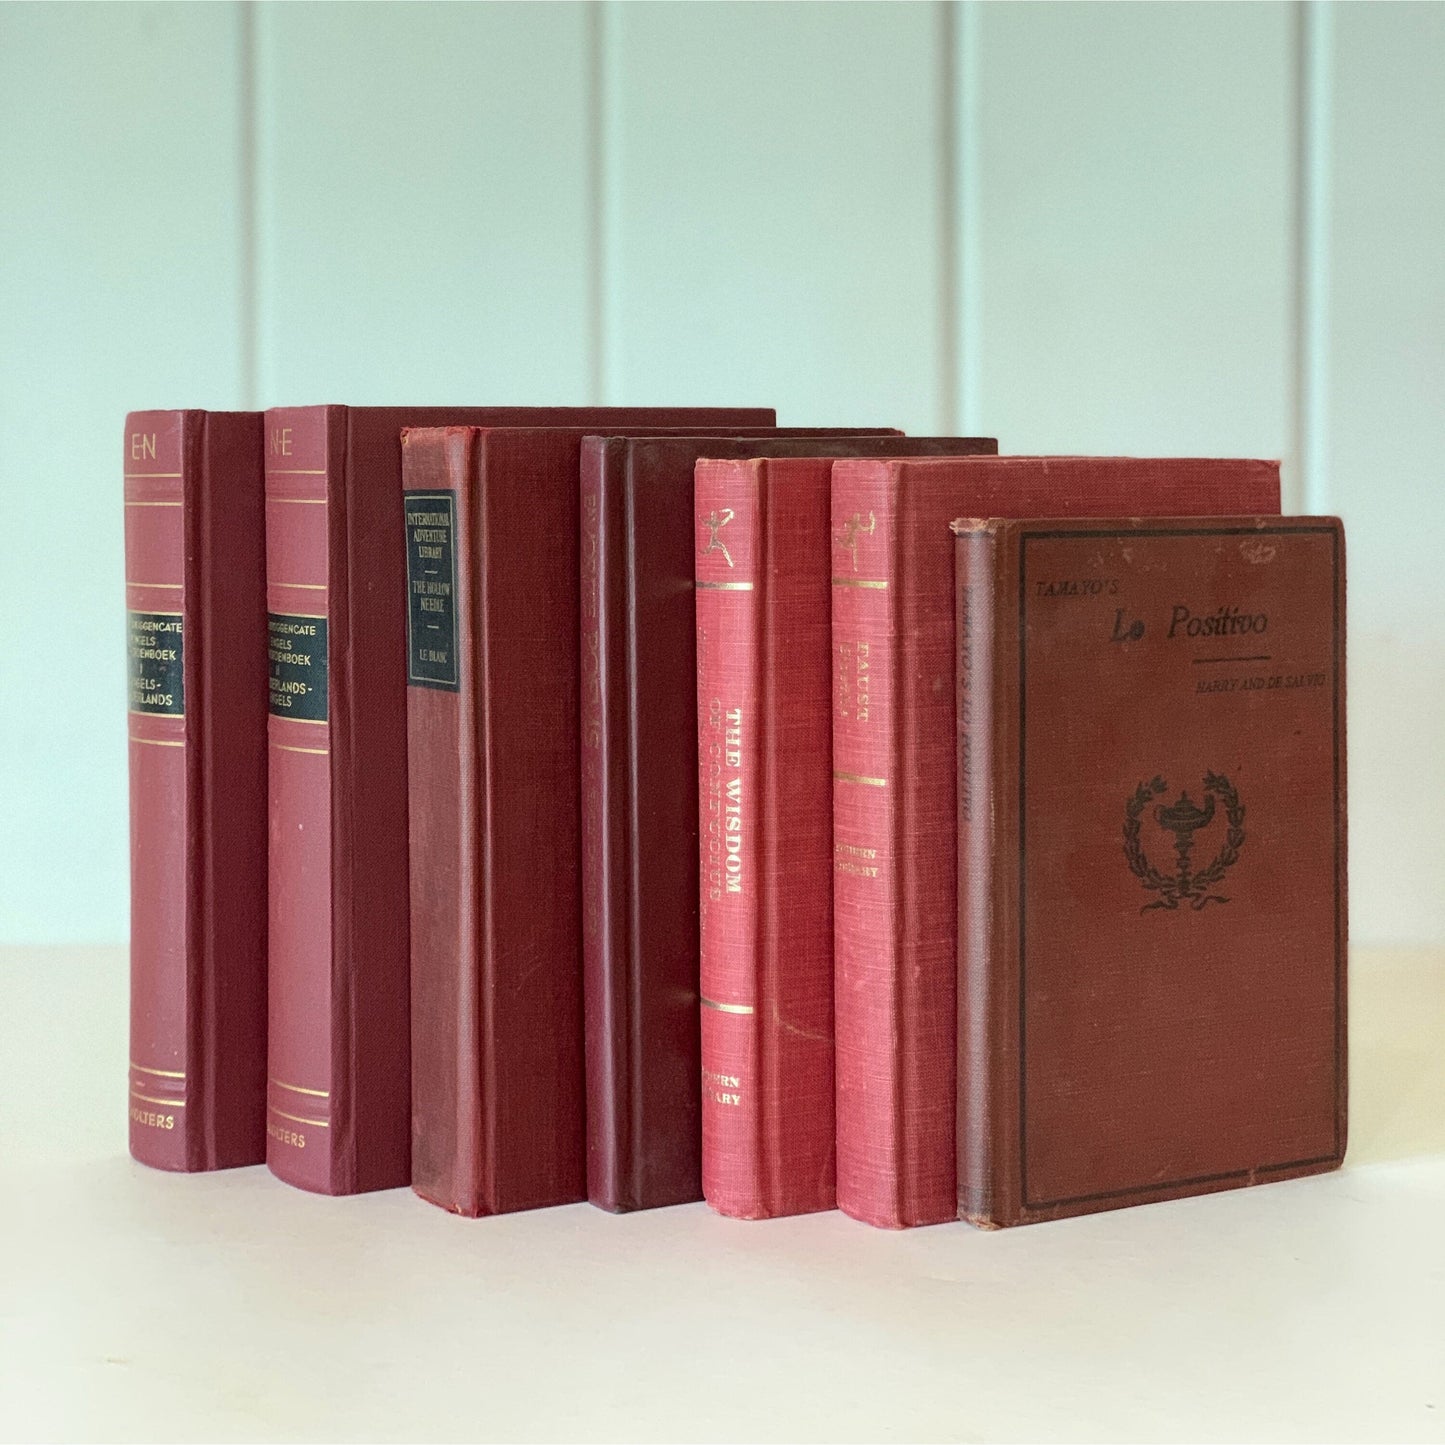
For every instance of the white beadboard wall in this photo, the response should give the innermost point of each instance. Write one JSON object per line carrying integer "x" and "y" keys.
{"x": 1109, "y": 228}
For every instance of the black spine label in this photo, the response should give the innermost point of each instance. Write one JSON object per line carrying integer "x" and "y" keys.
{"x": 298, "y": 666}
{"x": 431, "y": 590}
{"x": 155, "y": 645}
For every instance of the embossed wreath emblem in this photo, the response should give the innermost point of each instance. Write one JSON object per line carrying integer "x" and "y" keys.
{"x": 1184, "y": 818}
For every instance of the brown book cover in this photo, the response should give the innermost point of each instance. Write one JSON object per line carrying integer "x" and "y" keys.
{"x": 1151, "y": 812}
{"x": 639, "y": 784}
{"x": 339, "y": 1101}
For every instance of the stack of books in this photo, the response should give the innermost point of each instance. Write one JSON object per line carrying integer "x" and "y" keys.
{"x": 643, "y": 805}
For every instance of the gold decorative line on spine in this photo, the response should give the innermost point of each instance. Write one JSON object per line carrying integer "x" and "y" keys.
{"x": 298, "y": 1089}
{"x": 151, "y": 1099}
{"x": 312, "y": 616}
{"x": 877, "y": 583}
{"x": 294, "y": 472}
{"x": 311, "y": 722}
{"x": 133, "y": 712}
{"x": 153, "y": 504}
{"x": 290, "y": 748}
{"x": 859, "y": 778}
{"x": 305, "y": 587}
{"x": 159, "y": 1073}
{"x": 155, "y": 612}
{"x": 296, "y": 1118}
{"x": 157, "y": 742}
{"x": 299, "y": 501}
{"x": 725, "y": 586}
{"x": 138, "y": 476}
{"x": 169, "y": 586}
{"x": 728, "y": 1008}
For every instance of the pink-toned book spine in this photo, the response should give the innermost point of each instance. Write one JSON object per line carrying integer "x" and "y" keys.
{"x": 306, "y": 1144}
{"x": 161, "y": 993}
{"x": 729, "y": 754}
{"x": 894, "y": 1016}
{"x": 766, "y": 837}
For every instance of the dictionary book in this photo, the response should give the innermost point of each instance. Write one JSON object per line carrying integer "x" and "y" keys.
{"x": 639, "y": 803}
{"x": 762, "y": 763}
{"x": 493, "y": 707}
{"x": 339, "y": 1104}
{"x": 894, "y": 833}
{"x": 1151, "y": 815}
{"x": 195, "y": 621}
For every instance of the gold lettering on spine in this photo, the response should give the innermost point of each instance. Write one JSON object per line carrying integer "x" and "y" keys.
{"x": 142, "y": 446}
{"x": 724, "y": 1089}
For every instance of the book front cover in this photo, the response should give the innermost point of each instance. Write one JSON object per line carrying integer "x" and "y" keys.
{"x": 1180, "y": 899}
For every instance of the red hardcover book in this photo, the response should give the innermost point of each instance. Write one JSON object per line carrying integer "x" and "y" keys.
{"x": 492, "y": 522}
{"x": 339, "y": 1105}
{"x": 195, "y": 605}
{"x": 639, "y": 804}
{"x": 765, "y": 802}
{"x": 1151, "y": 812}
{"x": 894, "y": 807}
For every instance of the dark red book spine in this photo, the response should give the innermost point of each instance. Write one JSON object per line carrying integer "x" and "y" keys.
{"x": 765, "y": 798}
{"x": 609, "y": 1033}
{"x": 194, "y": 599}
{"x": 492, "y": 707}
{"x": 894, "y": 799}
{"x": 309, "y": 1143}
{"x": 451, "y": 1077}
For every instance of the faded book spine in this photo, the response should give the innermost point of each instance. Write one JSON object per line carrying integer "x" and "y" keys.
{"x": 894, "y": 1007}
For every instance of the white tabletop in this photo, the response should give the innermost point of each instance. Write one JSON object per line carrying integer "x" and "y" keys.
{"x": 141, "y": 1305}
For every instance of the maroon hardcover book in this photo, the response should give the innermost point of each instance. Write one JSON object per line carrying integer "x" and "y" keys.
{"x": 1151, "y": 812}
{"x": 195, "y": 612}
{"x": 640, "y": 818}
{"x": 339, "y": 1104}
{"x": 763, "y": 760}
{"x": 492, "y": 521}
{"x": 639, "y": 801}
{"x": 895, "y": 925}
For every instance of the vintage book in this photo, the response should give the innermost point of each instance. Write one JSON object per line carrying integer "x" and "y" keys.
{"x": 763, "y": 766}
{"x": 195, "y": 622}
{"x": 639, "y": 803}
{"x": 339, "y": 1105}
{"x": 894, "y": 832}
{"x": 1151, "y": 904}
{"x": 492, "y": 535}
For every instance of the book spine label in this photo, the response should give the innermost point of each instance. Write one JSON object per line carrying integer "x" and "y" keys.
{"x": 605, "y": 962}
{"x": 447, "y": 841}
{"x": 305, "y": 1117}
{"x": 163, "y": 1086}
{"x": 729, "y": 656}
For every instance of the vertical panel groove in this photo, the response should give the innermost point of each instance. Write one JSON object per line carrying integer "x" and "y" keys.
{"x": 946, "y": 52}
{"x": 1314, "y": 40}
{"x": 607, "y": 97}
{"x": 969, "y": 231}
{"x": 596, "y": 22}
{"x": 247, "y": 299}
